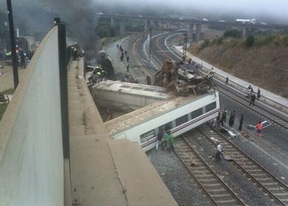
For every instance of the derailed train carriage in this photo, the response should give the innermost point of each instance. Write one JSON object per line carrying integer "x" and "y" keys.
{"x": 170, "y": 112}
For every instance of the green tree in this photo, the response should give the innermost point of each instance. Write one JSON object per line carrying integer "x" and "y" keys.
{"x": 4, "y": 30}
{"x": 250, "y": 40}
{"x": 233, "y": 33}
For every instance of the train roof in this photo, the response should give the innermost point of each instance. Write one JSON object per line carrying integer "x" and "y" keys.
{"x": 147, "y": 113}
{"x": 133, "y": 89}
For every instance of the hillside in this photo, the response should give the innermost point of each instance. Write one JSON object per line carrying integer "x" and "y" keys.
{"x": 263, "y": 64}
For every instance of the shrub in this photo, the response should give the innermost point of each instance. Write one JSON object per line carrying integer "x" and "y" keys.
{"x": 220, "y": 40}
{"x": 233, "y": 33}
{"x": 250, "y": 40}
{"x": 205, "y": 44}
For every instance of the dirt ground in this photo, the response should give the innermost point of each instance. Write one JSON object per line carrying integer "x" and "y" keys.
{"x": 6, "y": 76}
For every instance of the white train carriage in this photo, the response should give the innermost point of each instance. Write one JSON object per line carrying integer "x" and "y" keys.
{"x": 179, "y": 114}
{"x": 126, "y": 96}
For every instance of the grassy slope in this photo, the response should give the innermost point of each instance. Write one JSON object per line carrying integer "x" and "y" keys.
{"x": 263, "y": 65}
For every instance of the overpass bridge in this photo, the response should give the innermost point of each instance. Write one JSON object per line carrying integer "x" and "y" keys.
{"x": 197, "y": 23}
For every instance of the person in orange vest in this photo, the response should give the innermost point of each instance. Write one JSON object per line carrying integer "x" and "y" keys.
{"x": 259, "y": 128}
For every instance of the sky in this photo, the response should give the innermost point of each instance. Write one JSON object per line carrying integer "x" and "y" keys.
{"x": 80, "y": 18}
{"x": 277, "y": 8}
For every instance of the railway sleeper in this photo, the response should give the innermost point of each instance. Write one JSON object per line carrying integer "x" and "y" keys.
{"x": 212, "y": 185}
{"x": 204, "y": 175}
{"x": 216, "y": 190}
{"x": 281, "y": 194}
{"x": 263, "y": 179}
{"x": 270, "y": 184}
{"x": 256, "y": 175}
{"x": 207, "y": 180}
{"x": 277, "y": 189}
{"x": 228, "y": 202}
{"x": 221, "y": 195}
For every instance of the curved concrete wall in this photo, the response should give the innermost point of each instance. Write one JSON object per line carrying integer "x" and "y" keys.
{"x": 31, "y": 154}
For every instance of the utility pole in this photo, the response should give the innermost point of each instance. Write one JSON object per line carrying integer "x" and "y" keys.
{"x": 184, "y": 48}
{"x": 13, "y": 44}
{"x": 150, "y": 35}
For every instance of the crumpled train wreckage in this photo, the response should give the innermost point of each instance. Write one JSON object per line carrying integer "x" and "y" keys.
{"x": 173, "y": 76}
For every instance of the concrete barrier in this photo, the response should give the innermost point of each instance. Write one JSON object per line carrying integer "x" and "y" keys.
{"x": 31, "y": 154}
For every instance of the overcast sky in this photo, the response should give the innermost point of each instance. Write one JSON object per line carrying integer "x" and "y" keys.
{"x": 277, "y": 8}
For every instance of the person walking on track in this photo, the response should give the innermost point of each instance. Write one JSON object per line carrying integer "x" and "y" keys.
{"x": 259, "y": 128}
{"x": 171, "y": 141}
{"x": 227, "y": 80}
{"x": 219, "y": 151}
{"x": 241, "y": 122}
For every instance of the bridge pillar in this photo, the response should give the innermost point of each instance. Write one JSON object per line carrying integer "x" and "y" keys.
{"x": 112, "y": 22}
{"x": 198, "y": 32}
{"x": 122, "y": 26}
{"x": 146, "y": 27}
{"x": 244, "y": 32}
{"x": 190, "y": 32}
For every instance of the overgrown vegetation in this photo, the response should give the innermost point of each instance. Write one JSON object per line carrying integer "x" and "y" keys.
{"x": 233, "y": 38}
{"x": 250, "y": 40}
{"x": 8, "y": 91}
{"x": 259, "y": 58}
{"x": 233, "y": 33}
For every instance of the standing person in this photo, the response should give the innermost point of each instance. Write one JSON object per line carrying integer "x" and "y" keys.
{"x": 23, "y": 59}
{"x": 148, "y": 79}
{"x": 127, "y": 68}
{"x": 253, "y": 97}
{"x": 258, "y": 93}
{"x": 171, "y": 141}
{"x": 241, "y": 122}
{"x": 249, "y": 91}
{"x": 223, "y": 118}
{"x": 227, "y": 80}
{"x": 219, "y": 151}
{"x": 232, "y": 118}
{"x": 164, "y": 140}
{"x": 259, "y": 128}
{"x": 218, "y": 119}
{"x": 159, "y": 138}
{"x": 127, "y": 58}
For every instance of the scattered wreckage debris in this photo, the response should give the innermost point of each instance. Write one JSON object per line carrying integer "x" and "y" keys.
{"x": 173, "y": 76}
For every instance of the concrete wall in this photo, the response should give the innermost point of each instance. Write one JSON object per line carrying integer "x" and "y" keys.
{"x": 31, "y": 156}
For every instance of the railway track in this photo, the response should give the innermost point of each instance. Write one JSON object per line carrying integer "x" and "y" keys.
{"x": 273, "y": 117}
{"x": 208, "y": 180}
{"x": 268, "y": 183}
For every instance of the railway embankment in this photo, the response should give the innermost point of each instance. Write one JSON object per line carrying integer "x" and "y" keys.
{"x": 263, "y": 64}
{"x": 240, "y": 82}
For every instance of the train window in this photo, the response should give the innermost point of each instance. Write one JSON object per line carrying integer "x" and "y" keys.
{"x": 197, "y": 113}
{"x": 146, "y": 136}
{"x": 162, "y": 91}
{"x": 166, "y": 126}
{"x": 181, "y": 120}
{"x": 210, "y": 107}
{"x": 161, "y": 128}
{"x": 125, "y": 86}
{"x": 148, "y": 89}
{"x": 137, "y": 88}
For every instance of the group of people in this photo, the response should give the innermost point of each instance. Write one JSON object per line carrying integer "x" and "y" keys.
{"x": 166, "y": 139}
{"x": 122, "y": 55}
{"x": 251, "y": 94}
{"x": 219, "y": 151}
{"x": 221, "y": 119}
